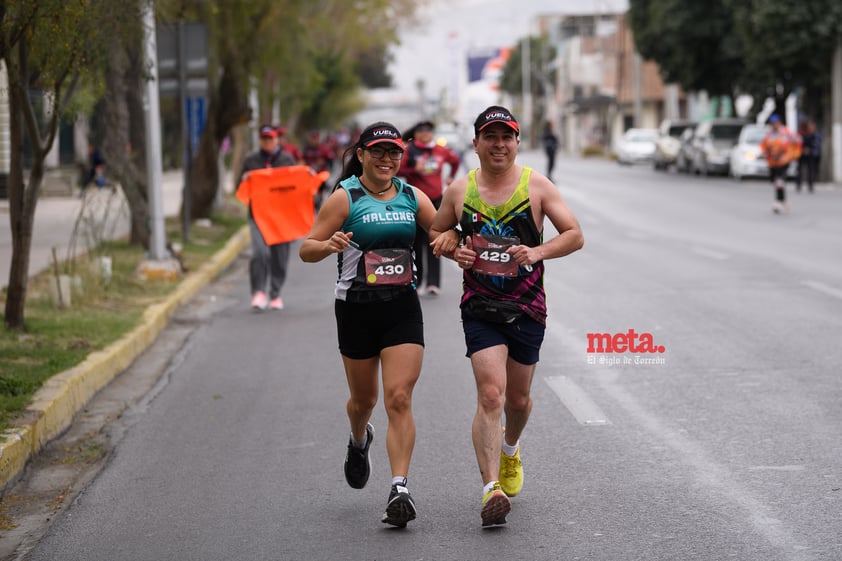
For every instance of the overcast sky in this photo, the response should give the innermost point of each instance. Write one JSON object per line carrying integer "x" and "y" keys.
{"x": 448, "y": 27}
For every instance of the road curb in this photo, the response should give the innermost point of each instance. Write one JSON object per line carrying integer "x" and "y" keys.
{"x": 54, "y": 406}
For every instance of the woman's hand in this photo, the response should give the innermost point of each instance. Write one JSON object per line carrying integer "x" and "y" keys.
{"x": 445, "y": 243}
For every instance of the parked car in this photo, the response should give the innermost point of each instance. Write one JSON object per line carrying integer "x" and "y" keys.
{"x": 636, "y": 146}
{"x": 668, "y": 143}
{"x": 746, "y": 158}
{"x": 684, "y": 156}
{"x": 712, "y": 143}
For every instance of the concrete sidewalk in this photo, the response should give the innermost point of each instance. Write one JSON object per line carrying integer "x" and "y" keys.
{"x": 56, "y": 217}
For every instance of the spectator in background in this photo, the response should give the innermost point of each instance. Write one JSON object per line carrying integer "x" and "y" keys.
{"x": 423, "y": 167}
{"x": 811, "y": 152}
{"x": 268, "y": 264}
{"x": 95, "y": 172}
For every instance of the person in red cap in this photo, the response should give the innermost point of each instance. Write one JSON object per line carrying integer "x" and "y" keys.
{"x": 319, "y": 156}
{"x": 268, "y": 264}
{"x": 369, "y": 222}
{"x": 423, "y": 167}
{"x": 288, "y": 145}
{"x": 500, "y": 209}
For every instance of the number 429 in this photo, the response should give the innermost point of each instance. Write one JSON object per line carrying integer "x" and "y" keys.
{"x": 495, "y": 256}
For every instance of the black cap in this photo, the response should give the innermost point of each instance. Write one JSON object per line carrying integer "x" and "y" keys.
{"x": 380, "y": 132}
{"x": 496, "y": 114}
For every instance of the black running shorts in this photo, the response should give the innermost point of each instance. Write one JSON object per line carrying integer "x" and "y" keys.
{"x": 365, "y": 329}
{"x": 524, "y": 336}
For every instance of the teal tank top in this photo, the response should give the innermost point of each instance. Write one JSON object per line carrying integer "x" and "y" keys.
{"x": 377, "y": 225}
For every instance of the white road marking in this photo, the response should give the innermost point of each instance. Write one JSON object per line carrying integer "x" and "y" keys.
{"x": 709, "y": 473}
{"x": 823, "y": 288}
{"x": 795, "y": 467}
{"x": 577, "y": 401}
{"x": 704, "y": 252}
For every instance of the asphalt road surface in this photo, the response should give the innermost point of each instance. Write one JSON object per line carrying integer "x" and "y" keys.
{"x": 723, "y": 446}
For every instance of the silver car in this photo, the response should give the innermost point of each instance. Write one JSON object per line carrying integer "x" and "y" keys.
{"x": 746, "y": 158}
{"x": 668, "y": 144}
{"x": 637, "y": 146}
{"x": 711, "y": 145}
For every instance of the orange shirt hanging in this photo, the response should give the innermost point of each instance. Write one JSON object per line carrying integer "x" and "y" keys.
{"x": 282, "y": 200}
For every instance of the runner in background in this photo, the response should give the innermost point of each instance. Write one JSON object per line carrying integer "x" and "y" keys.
{"x": 320, "y": 157}
{"x": 423, "y": 167}
{"x": 780, "y": 147}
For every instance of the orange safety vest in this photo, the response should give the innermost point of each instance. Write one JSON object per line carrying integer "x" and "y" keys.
{"x": 281, "y": 200}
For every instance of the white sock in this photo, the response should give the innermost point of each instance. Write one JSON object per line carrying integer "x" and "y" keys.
{"x": 488, "y": 487}
{"x": 399, "y": 480}
{"x": 508, "y": 449}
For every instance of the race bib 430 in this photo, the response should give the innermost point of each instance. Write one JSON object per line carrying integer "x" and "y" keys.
{"x": 388, "y": 267}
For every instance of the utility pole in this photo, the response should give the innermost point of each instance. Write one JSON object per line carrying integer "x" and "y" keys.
{"x": 5, "y": 139}
{"x": 159, "y": 264}
{"x": 526, "y": 89}
{"x": 836, "y": 113}
{"x": 637, "y": 76}
{"x": 152, "y": 114}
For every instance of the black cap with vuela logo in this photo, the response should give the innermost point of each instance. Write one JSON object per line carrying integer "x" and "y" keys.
{"x": 496, "y": 114}
{"x": 381, "y": 132}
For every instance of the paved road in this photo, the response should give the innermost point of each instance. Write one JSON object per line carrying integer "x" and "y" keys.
{"x": 725, "y": 446}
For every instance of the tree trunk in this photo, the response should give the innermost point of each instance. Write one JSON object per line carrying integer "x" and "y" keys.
{"x": 227, "y": 107}
{"x": 21, "y": 231}
{"x": 22, "y": 200}
{"x": 123, "y": 146}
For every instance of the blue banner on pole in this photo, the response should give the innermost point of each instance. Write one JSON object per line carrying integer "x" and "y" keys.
{"x": 195, "y": 111}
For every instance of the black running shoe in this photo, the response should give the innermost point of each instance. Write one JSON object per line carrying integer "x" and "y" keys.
{"x": 400, "y": 509}
{"x": 357, "y": 462}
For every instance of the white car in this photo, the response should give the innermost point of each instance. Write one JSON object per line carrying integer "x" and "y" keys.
{"x": 746, "y": 158}
{"x": 637, "y": 146}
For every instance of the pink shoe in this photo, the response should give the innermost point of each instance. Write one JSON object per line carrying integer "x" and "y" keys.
{"x": 259, "y": 300}
{"x": 276, "y": 304}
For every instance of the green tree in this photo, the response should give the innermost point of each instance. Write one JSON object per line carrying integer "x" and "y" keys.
{"x": 695, "y": 44}
{"x": 47, "y": 45}
{"x": 789, "y": 46}
{"x": 302, "y": 54}
{"x": 767, "y": 48}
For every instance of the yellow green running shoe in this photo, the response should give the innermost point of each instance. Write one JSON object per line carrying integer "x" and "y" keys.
{"x": 511, "y": 473}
